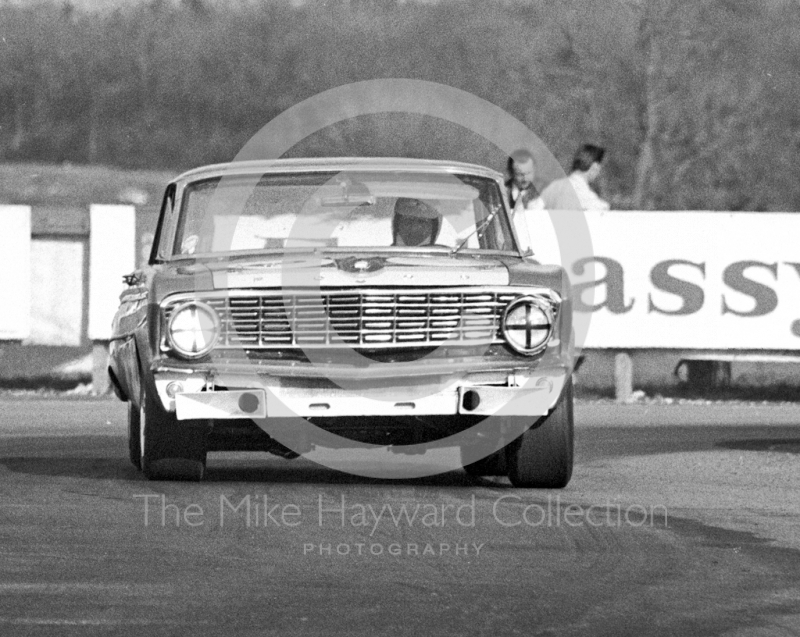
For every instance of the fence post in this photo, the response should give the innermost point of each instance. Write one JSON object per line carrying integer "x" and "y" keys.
{"x": 112, "y": 254}
{"x": 623, "y": 377}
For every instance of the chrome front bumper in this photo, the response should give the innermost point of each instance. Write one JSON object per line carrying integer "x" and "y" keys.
{"x": 193, "y": 397}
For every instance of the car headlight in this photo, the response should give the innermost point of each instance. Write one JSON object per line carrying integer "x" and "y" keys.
{"x": 193, "y": 329}
{"x": 527, "y": 324}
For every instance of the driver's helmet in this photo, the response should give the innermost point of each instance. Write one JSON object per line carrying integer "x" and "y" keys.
{"x": 415, "y": 223}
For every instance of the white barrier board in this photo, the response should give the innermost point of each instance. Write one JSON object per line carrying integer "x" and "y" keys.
{"x": 695, "y": 280}
{"x": 15, "y": 272}
{"x": 112, "y": 254}
{"x": 57, "y": 267}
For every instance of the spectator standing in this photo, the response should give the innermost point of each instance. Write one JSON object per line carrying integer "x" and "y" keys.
{"x": 574, "y": 192}
{"x": 523, "y": 196}
{"x": 519, "y": 187}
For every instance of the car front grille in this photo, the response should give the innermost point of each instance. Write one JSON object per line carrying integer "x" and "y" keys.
{"x": 374, "y": 319}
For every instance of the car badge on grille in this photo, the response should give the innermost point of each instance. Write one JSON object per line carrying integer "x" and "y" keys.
{"x": 356, "y": 265}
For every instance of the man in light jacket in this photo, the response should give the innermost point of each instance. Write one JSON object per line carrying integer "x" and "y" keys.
{"x": 574, "y": 192}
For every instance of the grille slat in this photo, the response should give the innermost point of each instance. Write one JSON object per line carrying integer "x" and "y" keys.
{"x": 371, "y": 319}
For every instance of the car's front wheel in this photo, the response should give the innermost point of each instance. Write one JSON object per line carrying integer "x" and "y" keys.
{"x": 170, "y": 449}
{"x": 542, "y": 457}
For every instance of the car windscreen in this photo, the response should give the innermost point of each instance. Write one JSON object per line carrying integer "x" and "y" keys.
{"x": 376, "y": 210}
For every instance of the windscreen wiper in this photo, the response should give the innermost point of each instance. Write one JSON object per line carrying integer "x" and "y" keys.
{"x": 478, "y": 230}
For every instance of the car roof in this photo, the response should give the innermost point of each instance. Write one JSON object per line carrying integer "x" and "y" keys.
{"x": 327, "y": 164}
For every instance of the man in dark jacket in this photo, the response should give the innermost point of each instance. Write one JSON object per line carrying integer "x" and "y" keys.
{"x": 520, "y": 187}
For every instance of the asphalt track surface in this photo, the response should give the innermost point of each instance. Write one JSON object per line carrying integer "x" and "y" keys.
{"x": 679, "y": 520}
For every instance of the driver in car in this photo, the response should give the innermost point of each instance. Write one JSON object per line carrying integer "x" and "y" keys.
{"x": 415, "y": 223}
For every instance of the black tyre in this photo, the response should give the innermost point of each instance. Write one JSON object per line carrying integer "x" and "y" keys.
{"x": 491, "y": 465}
{"x": 134, "y": 446}
{"x": 170, "y": 449}
{"x": 542, "y": 457}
